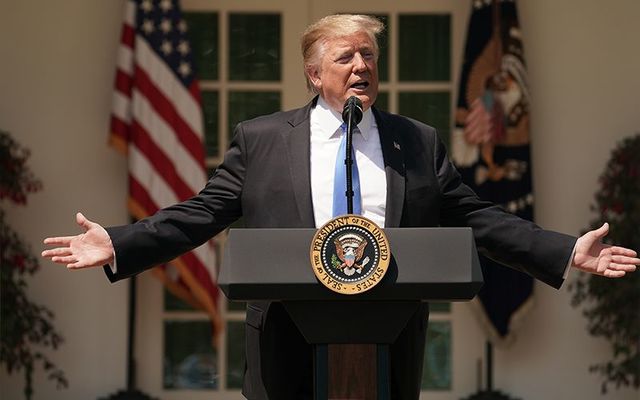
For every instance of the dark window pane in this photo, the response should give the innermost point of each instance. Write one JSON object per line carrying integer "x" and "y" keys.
{"x": 238, "y": 224}
{"x": 382, "y": 101}
{"x": 436, "y": 372}
{"x": 430, "y": 108}
{"x": 247, "y": 105}
{"x": 439, "y": 307}
{"x": 210, "y": 110}
{"x": 424, "y": 48}
{"x": 203, "y": 37}
{"x": 174, "y": 303}
{"x": 254, "y": 47}
{"x": 190, "y": 360}
{"x": 237, "y": 305}
{"x": 235, "y": 354}
{"x": 383, "y": 42}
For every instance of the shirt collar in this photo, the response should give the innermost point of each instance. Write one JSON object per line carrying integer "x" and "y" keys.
{"x": 328, "y": 121}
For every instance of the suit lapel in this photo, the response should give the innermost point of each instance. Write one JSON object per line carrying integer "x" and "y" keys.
{"x": 394, "y": 168}
{"x": 298, "y": 144}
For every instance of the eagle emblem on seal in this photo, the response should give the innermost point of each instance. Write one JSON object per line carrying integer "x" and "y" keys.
{"x": 350, "y": 249}
{"x": 349, "y": 254}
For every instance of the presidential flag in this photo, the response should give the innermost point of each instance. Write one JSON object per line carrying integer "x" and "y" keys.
{"x": 491, "y": 146}
{"x": 157, "y": 121}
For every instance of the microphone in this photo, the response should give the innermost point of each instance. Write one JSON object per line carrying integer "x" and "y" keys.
{"x": 351, "y": 115}
{"x": 352, "y": 111}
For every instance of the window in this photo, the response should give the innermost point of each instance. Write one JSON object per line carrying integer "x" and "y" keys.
{"x": 240, "y": 83}
{"x": 419, "y": 85}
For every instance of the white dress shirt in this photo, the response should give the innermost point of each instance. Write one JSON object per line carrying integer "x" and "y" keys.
{"x": 325, "y": 141}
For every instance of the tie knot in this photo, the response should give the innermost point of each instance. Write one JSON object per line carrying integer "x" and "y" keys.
{"x": 343, "y": 128}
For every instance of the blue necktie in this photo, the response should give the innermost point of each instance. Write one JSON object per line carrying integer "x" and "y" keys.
{"x": 340, "y": 179}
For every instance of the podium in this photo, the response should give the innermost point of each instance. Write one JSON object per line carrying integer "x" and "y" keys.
{"x": 427, "y": 264}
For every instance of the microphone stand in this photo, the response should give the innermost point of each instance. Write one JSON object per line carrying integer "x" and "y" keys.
{"x": 348, "y": 162}
{"x": 329, "y": 356}
{"x": 351, "y": 115}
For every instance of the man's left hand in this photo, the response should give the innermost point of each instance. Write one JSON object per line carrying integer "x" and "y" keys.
{"x": 602, "y": 259}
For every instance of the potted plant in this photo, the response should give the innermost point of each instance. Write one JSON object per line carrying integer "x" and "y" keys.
{"x": 26, "y": 328}
{"x": 612, "y": 307}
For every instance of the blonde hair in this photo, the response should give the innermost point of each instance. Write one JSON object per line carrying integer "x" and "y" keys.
{"x": 316, "y": 36}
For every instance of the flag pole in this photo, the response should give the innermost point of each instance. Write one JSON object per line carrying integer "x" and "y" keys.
{"x": 130, "y": 393}
{"x": 489, "y": 357}
{"x": 489, "y": 393}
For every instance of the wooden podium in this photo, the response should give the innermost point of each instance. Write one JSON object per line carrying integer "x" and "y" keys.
{"x": 427, "y": 264}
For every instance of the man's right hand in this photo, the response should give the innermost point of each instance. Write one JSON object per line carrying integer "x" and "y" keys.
{"x": 93, "y": 248}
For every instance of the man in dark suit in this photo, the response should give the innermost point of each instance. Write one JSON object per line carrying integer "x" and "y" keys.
{"x": 278, "y": 173}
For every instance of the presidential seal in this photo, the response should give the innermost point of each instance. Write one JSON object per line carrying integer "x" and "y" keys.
{"x": 350, "y": 254}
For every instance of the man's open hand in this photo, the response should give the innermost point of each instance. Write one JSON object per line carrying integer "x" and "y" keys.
{"x": 597, "y": 258}
{"x": 92, "y": 248}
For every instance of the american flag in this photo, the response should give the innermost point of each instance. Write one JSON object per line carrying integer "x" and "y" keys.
{"x": 157, "y": 121}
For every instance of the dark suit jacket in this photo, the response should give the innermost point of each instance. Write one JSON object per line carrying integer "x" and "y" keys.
{"x": 265, "y": 179}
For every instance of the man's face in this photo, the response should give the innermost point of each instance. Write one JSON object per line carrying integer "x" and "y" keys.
{"x": 347, "y": 68}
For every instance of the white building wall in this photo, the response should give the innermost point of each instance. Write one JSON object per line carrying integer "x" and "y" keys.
{"x": 56, "y": 74}
{"x": 584, "y": 73}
